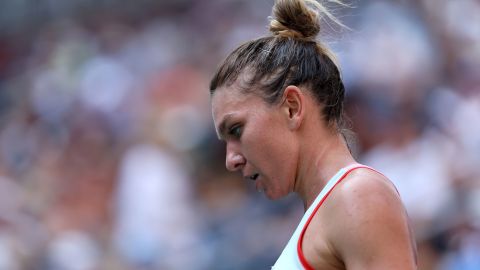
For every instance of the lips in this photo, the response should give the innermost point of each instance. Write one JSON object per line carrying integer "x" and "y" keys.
{"x": 252, "y": 177}
{"x": 258, "y": 184}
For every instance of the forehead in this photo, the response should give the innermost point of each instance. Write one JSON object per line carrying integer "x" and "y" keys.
{"x": 223, "y": 96}
{"x": 227, "y": 102}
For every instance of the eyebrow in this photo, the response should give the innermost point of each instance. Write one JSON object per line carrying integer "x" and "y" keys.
{"x": 223, "y": 126}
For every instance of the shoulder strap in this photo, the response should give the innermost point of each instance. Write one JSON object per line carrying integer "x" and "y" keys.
{"x": 329, "y": 188}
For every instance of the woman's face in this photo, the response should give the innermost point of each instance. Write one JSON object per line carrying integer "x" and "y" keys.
{"x": 259, "y": 143}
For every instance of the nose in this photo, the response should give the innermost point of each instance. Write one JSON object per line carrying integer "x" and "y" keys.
{"x": 234, "y": 159}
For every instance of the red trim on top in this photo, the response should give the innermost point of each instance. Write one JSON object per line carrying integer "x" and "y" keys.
{"x": 303, "y": 261}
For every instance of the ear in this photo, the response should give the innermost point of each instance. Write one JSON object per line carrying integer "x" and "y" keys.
{"x": 293, "y": 106}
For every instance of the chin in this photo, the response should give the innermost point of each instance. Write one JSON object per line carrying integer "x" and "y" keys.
{"x": 274, "y": 195}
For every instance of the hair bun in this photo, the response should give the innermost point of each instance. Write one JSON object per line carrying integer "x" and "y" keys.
{"x": 293, "y": 18}
{"x": 300, "y": 18}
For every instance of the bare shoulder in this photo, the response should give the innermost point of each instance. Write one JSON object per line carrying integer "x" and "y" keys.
{"x": 368, "y": 225}
{"x": 365, "y": 190}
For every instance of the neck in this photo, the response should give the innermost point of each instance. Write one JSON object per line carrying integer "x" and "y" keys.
{"x": 321, "y": 159}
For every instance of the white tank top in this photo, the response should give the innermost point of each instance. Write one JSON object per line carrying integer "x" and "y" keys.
{"x": 290, "y": 259}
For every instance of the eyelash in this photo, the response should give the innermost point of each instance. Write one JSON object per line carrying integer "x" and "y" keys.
{"x": 235, "y": 131}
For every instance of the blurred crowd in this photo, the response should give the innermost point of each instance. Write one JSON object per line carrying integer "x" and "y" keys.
{"x": 109, "y": 158}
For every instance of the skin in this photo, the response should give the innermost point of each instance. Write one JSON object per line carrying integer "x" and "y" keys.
{"x": 362, "y": 225}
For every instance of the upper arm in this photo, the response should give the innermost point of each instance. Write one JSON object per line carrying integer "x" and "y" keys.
{"x": 369, "y": 225}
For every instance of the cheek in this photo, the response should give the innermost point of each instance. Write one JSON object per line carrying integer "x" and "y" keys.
{"x": 274, "y": 155}
{"x": 264, "y": 142}
{"x": 283, "y": 165}
{"x": 269, "y": 146}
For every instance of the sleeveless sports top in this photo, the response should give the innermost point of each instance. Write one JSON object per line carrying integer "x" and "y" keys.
{"x": 292, "y": 255}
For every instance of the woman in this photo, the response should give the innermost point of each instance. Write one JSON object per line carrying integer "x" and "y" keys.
{"x": 277, "y": 102}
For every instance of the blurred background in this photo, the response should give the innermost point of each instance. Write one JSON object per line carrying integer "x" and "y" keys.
{"x": 109, "y": 159}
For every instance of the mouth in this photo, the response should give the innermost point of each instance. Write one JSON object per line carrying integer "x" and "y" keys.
{"x": 258, "y": 184}
{"x": 253, "y": 177}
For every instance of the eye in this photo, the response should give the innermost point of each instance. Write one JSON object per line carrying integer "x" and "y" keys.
{"x": 235, "y": 131}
